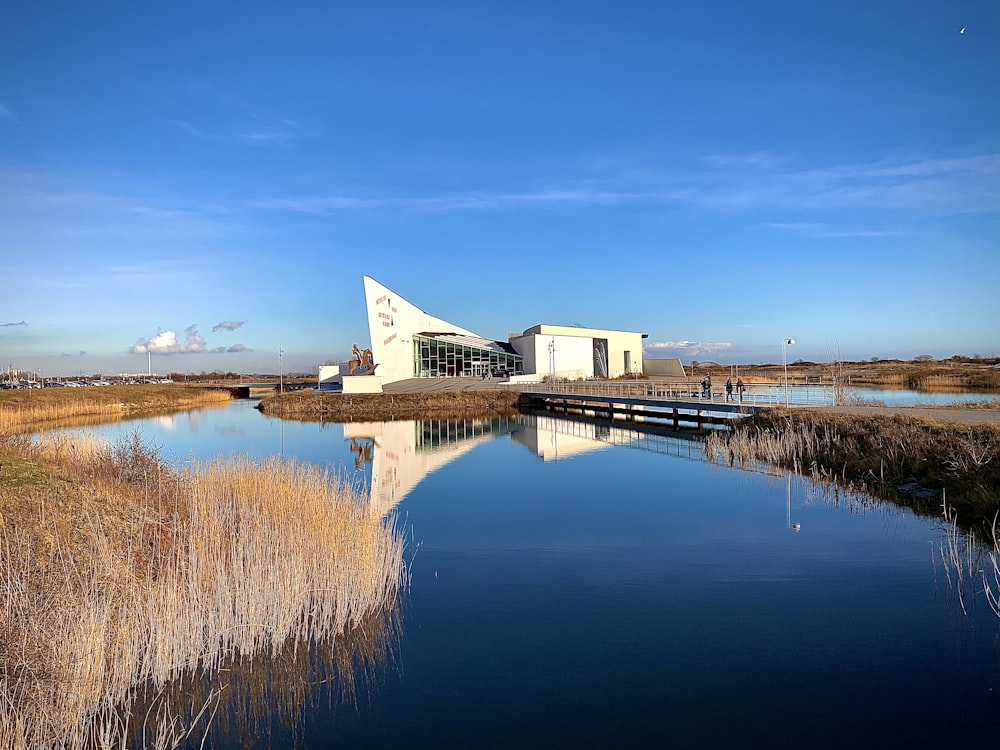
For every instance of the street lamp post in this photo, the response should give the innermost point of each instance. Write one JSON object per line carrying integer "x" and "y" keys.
{"x": 784, "y": 361}
{"x": 281, "y": 386}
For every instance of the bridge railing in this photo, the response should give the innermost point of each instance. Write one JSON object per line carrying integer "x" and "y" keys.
{"x": 754, "y": 394}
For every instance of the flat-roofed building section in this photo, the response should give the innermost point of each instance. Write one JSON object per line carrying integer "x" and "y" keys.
{"x": 575, "y": 352}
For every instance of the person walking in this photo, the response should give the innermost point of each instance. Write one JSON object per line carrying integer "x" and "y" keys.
{"x": 740, "y": 388}
{"x": 729, "y": 389}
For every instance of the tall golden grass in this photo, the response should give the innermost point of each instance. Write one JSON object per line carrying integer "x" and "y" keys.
{"x": 122, "y": 576}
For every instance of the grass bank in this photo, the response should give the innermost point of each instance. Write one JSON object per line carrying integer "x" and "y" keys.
{"x": 30, "y": 410}
{"x": 913, "y": 461}
{"x": 121, "y": 576}
{"x": 336, "y": 407}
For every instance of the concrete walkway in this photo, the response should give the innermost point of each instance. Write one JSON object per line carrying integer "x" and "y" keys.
{"x": 441, "y": 385}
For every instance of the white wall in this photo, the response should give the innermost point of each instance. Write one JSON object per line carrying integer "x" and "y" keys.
{"x": 362, "y": 383}
{"x": 331, "y": 373}
{"x": 392, "y": 321}
{"x": 574, "y": 350}
{"x": 573, "y": 356}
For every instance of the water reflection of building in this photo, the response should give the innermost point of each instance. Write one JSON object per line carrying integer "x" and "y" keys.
{"x": 552, "y": 438}
{"x": 549, "y": 438}
{"x": 404, "y": 452}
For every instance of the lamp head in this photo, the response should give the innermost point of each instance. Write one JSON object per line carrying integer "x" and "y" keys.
{"x": 789, "y": 341}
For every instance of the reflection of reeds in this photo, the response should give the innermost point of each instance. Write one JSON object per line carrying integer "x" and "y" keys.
{"x": 251, "y": 696}
{"x": 967, "y": 560}
{"x": 32, "y": 409}
{"x": 899, "y": 457}
{"x": 127, "y": 576}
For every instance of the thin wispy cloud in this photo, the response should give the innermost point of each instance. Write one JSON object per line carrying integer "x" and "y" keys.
{"x": 823, "y": 230}
{"x": 91, "y": 204}
{"x": 190, "y": 129}
{"x": 756, "y": 159}
{"x": 6, "y": 114}
{"x": 276, "y": 133}
{"x": 469, "y": 202}
{"x": 245, "y": 122}
{"x": 728, "y": 184}
{"x": 227, "y": 325}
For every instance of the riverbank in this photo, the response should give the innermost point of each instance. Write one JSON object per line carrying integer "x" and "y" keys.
{"x": 917, "y": 458}
{"x": 33, "y": 409}
{"x": 371, "y": 407}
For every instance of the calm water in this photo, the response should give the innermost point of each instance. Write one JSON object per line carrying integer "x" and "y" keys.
{"x": 576, "y": 586}
{"x": 904, "y": 397}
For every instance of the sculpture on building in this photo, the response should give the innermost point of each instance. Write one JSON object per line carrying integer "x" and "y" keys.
{"x": 362, "y": 363}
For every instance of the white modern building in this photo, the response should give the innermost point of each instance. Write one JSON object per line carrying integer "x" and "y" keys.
{"x": 407, "y": 342}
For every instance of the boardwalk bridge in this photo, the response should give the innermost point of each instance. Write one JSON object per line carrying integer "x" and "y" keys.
{"x": 675, "y": 402}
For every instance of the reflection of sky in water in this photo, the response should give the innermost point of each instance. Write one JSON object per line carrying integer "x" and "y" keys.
{"x": 912, "y": 398}
{"x": 237, "y": 428}
{"x": 570, "y": 593}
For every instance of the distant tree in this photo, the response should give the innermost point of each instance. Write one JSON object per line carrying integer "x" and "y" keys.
{"x": 923, "y": 358}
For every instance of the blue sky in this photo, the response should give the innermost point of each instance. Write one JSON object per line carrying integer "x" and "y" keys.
{"x": 210, "y": 181}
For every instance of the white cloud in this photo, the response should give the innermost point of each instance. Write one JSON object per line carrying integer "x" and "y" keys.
{"x": 6, "y": 114}
{"x": 671, "y": 344}
{"x": 689, "y": 348}
{"x": 165, "y": 342}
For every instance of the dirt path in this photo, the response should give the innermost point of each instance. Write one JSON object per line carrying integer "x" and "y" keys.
{"x": 961, "y": 416}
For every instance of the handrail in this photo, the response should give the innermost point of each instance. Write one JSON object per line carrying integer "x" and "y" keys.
{"x": 754, "y": 394}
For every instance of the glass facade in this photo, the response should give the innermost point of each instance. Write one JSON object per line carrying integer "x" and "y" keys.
{"x": 432, "y": 434}
{"x": 433, "y": 358}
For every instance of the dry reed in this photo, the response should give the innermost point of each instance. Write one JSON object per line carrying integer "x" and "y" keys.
{"x": 899, "y": 457}
{"x": 313, "y": 405}
{"x": 134, "y": 576}
{"x": 29, "y": 410}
